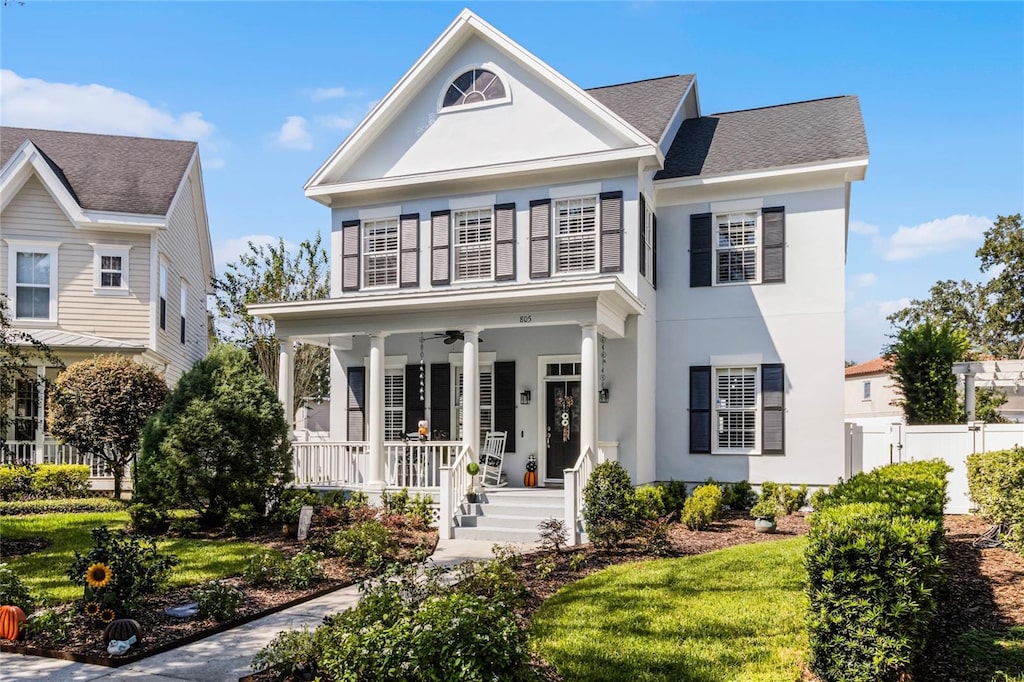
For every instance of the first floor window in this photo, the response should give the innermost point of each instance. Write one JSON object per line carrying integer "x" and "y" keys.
{"x": 736, "y": 247}
{"x": 575, "y": 232}
{"x": 26, "y": 409}
{"x": 394, "y": 404}
{"x": 34, "y": 281}
{"x": 163, "y": 296}
{"x": 474, "y": 244}
{"x": 380, "y": 253}
{"x": 735, "y": 408}
{"x": 183, "y": 307}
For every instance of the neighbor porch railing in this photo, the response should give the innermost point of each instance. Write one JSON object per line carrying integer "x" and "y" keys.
{"x": 575, "y": 480}
{"x": 454, "y": 483}
{"x": 49, "y": 451}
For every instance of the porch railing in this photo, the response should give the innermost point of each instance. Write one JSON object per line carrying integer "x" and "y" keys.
{"x": 329, "y": 463}
{"x": 417, "y": 464}
{"x": 575, "y": 480}
{"x": 454, "y": 483}
{"x": 52, "y": 452}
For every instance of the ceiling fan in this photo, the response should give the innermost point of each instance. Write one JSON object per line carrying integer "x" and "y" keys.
{"x": 450, "y": 336}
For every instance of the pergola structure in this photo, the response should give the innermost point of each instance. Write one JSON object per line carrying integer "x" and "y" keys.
{"x": 988, "y": 374}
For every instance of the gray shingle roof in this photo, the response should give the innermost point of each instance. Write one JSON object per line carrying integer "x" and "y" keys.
{"x": 109, "y": 172}
{"x": 771, "y": 137}
{"x": 646, "y": 105}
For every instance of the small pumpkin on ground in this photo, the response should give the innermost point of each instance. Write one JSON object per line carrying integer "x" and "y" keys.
{"x": 11, "y": 618}
{"x": 122, "y": 629}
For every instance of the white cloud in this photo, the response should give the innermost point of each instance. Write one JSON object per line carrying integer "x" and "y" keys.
{"x": 228, "y": 250}
{"x": 944, "y": 234}
{"x": 859, "y": 227}
{"x": 867, "y": 329}
{"x": 93, "y": 108}
{"x": 336, "y": 122}
{"x": 320, "y": 94}
{"x": 295, "y": 134}
{"x": 866, "y": 279}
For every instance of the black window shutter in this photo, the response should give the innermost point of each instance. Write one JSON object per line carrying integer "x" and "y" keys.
{"x": 654, "y": 251}
{"x": 643, "y": 237}
{"x": 440, "y": 228}
{"x": 611, "y": 232}
{"x": 773, "y": 268}
{"x": 505, "y": 401}
{"x": 540, "y": 238}
{"x": 700, "y": 250}
{"x": 356, "y": 394}
{"x": 350, "y": 255}
{"x": 441, "y": 398}
{"x": 409, "y": 228}
{"x": 415, "y": 406}
{"x": 700, "y": 410}
{"x": 505, "y": 241}
{"x": 773, "y": 409}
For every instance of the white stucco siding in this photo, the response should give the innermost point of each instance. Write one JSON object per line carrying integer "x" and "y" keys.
{"x": 799, "y": 323}
{"x": 537, "y": 123}
{"x": 34, "y": 215}
{"x": 178, "y": 246}
{"x": 879, "y": 402}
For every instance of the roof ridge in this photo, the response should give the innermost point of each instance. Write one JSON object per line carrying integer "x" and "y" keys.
{"x": 776, "y": 106}
{"x": 642, "y": 80}
{"x": 79, "y": 132}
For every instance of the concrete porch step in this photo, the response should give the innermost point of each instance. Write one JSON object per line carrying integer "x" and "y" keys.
{"x": 501, "y": 521}
{"x": 494, "y": 534}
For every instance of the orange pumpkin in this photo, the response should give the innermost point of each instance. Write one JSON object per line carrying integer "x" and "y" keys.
{"x": 530, "y": 479}
{"x": 11, "y": 618}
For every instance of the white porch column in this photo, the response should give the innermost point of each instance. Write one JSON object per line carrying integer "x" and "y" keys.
{"x": 339, "y": 395}
{"x": 40, "y": 450}
{"x": 471, "y": 390}
{"x": 969, "y": 399}
{"x": 285, "y": 379}
{"x": 588, "y": 389}
{"x": 375, "y": 411}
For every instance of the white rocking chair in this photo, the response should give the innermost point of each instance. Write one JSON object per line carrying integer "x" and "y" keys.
{"x": 491, "y": 457}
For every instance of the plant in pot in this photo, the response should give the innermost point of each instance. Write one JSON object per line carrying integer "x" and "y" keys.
{"x": 764, "y": 513}
{"x": 472, "y": 469}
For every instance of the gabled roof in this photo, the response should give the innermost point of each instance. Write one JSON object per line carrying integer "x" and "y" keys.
{"x": 647, "y": 105}
{"x": 876, "y": 366}
{"x": 108, "y": 172}
{"x": 816, "y": 131}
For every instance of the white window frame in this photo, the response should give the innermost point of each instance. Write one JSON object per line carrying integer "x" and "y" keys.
{"x": 648, "y": 234}
{"x": 456, "y": 73}
{"x": 867, "y": 390}
{"x": 365, "y": 253}
{"x": 183, "y": 311}
{"x": 50, "y": 249}
{"x": 459, "y": 249}
{"x": 755, "y": 248}
{"x": 161, "y": 303}
{"x": 716, "y": 408}
{"x": 393, "y": 376}
{"x": 556, "y": 237}
{"x": 99, "y": 251}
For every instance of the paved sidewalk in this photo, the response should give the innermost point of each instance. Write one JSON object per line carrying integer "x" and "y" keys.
{"x": 224, "y": 657}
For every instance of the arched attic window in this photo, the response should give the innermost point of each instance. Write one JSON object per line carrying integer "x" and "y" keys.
{"x": 475, "y": 86}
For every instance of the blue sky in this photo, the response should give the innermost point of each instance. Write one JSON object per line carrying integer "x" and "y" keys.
{"x": 269, "y": 89}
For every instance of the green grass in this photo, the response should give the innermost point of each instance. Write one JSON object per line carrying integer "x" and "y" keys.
{"x": 43, "y": 571}
{"x": 735, "y": 614}
{"x": 994, "y": 656}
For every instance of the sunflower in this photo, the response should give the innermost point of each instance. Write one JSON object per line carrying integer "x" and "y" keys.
{"x": 107, "y": 615}
{"x": 98, "y": 575}
{"x": 92, "y": 609}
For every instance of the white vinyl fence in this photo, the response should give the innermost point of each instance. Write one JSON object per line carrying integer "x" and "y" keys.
{"x": 873, "y": 445}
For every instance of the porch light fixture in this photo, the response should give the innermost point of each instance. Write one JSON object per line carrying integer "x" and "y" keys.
{"x": 602, "y": 395}
{"x": 524, "y": 398}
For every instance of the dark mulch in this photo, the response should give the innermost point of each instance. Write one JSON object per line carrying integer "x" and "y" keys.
{"x": 11, "y": 548}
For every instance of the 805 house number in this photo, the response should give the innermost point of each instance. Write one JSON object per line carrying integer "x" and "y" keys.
{"x": 525, "y": 319}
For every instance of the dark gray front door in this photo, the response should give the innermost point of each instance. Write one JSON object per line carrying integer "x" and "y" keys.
{"x": 563, "y": 426}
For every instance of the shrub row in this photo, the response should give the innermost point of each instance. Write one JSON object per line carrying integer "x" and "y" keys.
{"x": 60, "y": 506}
{"x": 996, "y": 482}
{"x": 43, "y": 481}
{"x": 875, "y": 559}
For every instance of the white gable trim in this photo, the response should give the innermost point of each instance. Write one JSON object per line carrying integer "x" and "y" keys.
{"x": 855, "y": 170}
{"x": 193, "y": 173}
{"x": 466, "y": 23}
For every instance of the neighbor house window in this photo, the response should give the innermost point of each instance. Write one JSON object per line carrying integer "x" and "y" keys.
{"x": 110, "y": 267}
{"x": 183, "y": 307}
{"x": 32, "y": 281}
{"x": 474, "y": 244}
{"x": 736, "y": 247}
{"x": 575, "y": 235}
{"x": 394, "y": 404}
{"x": 475, "y": 86}
{"x": 380, "y": 253}
{"x": 26, "y": 409}
{"x": 163, "y": 296}
{"x": 735, "y": 409}
{"x": 867, "y": 390}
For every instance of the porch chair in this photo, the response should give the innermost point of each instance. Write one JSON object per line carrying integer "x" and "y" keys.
{"x": 491, "y": 456}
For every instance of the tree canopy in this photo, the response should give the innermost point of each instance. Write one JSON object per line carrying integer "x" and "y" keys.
{"x": 922, "y": 359}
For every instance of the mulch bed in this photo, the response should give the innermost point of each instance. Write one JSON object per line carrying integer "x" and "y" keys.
{"x": 11, "y": 548}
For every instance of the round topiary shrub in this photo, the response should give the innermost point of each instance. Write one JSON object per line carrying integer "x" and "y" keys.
{"x": 608, "y": 504}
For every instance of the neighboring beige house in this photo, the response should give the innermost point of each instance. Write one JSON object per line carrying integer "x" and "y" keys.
{"x": 104, "y": 247}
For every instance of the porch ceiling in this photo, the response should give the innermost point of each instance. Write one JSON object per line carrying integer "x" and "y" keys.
{"x": 604, "y": 302}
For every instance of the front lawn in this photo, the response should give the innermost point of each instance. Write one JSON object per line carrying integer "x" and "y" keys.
{"x": 43, "y": 571}
{"x": 734, "y": 614}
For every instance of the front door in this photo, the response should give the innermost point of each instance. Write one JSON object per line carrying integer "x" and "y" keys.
{"x": 563, "y": 426}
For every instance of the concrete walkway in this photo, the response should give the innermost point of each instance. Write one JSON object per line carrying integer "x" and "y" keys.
{"x": 224, "y": 657}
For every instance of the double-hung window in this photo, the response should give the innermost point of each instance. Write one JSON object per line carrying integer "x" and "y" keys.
{"x": 380, "y": 253}
{"x": 474, "y": 244}
{"x": 183, "y": 307}
{"x": 735, "y": 409}
{"x": 736, "y": 247}
{"x": 32, "y": 280}
{"x": 163, "y": 295}
{"x": 394, "y": 403}
{"x": 867, "y": 390}
{"x": 110, "y": 265}
{"x": 575, "y": 233}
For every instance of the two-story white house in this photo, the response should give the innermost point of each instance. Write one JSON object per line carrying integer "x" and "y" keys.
{"x": 104, "y": 248}
{"x": 602, "y": 273}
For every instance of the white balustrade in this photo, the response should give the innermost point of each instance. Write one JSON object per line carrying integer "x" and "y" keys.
{"x": 417, "y": 464}
{"x": 454, "y": 483}
{"x": 575, "y": 480}
{"x": 52, "y": 452}
{"x": 329, "y": 463}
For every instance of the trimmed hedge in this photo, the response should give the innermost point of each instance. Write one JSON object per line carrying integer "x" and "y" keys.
{"x": 43, "y": 481}
{"x": 75, "y": 505}
{"x": 996, "y": 482}
{"x": 875, "y": 560}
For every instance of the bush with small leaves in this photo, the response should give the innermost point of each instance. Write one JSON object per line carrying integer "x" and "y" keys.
{"x": 674, "y": 496}
{"x": 366, "y": 543}
{"x": 739, "y": 495}
{"x": 545, "y": 567}
{"x": 60, "y": 506}
{"x": 996, "y": 481}
{"x": 242, "y": 520}
{"x": 13, "y": 591}
{"x": 148, "y": 520}
{"x": 395, "y": 503}
{"x": 266, "y": 567}
{"x": 653, "y": 536}
{"x": 61, "y": 481}
{"x": 218, "y": 600}
{"x": 52, "y": 625}
{"x": 304, "y": 569}
{"x": 915, "y": 489}
{"x": 577, "y": 561}
{"x": 608, "y": 509}
{"x": 649, "y": 503}
{"x": 291, "y": 502}
{"x": 553, "y": 535}
{"x": 420, "y": 511}
{"x": 703, "y": 507}
{"x": 291, "y": 655}
{"x": 16, "y": 481}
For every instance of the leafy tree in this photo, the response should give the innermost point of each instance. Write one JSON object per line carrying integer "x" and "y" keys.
{"x": 100, "y": 405}
{"x": 220, "y": 441}
{"x": 922, "y": 367}
{"x": 266, "y": 274}
{"x": 17, "y": 350}
{"x": 987, "y": 402}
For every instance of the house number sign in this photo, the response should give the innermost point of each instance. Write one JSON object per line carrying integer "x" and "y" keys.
{"x": 525, "y": 319}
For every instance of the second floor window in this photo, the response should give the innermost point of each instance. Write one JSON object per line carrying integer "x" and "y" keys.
{"x": 736, "y": 247}
{"x": 34, "y": 274}
{"x": 575, "y": 232}
{"x": 474, "y": 244}
{"x": 380, "y": 253}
